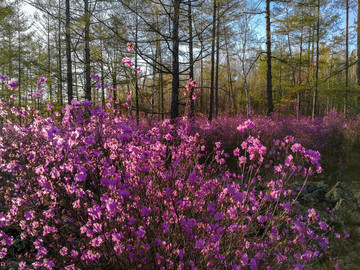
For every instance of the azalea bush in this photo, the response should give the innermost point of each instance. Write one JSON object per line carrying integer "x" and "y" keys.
{"x": 87, "y": 189}
{"x": 330, "y": 135}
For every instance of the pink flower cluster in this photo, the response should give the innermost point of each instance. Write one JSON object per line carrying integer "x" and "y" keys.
{"x": 246, "y": 126}
{"x": 89, "y": 191}
{"x": 189, "y": 89}
{"x": 127, "y": 61}
{"x": 12, "y": 84}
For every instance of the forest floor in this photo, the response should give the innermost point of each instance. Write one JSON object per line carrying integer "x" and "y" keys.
{"x": 350, "y": 177}
{"x": 352, "y": 163}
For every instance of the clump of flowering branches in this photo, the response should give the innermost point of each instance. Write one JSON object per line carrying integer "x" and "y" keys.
{"x": 92, "y": 193}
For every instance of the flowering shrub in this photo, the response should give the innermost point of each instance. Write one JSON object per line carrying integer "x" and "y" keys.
{"x": 88, "y": 191}
{"x": 329, "y": 135}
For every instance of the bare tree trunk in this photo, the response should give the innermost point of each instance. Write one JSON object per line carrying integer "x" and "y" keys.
{"x": 212, "y": 64}
{"x": 217, "y": 64}
{"x": 153, "y": 87}
{"x": 191, "y": 60}
{"x": 76, "y": 82}
{"x": 49, "y": 58}
{"x": 114, "y": 83}
{"x": 87, "y": 51}
{"x": 270, "y": 104}
{"x": 299, "y": 79}
{"x": 102, "y": 75}
{"x": 136, "y": 66}
{"x": 19, "y": 68}
{"x": 158, "y": 85}
{"x": 60, "y": 94}
{"x": 315, "y": 96}
{"x": 291, "y": 57}
{"x": 68, "y": 54}
{"x": 245, "y": 72}
{"x": 358, "y": 44}
{"x": 174, "y": 112}
{"x": 233, "y": 97}
{"x": 347, "y": 57}
{"x": 202, "y": 81}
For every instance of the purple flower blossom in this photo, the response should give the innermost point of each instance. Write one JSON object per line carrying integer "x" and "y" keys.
{"x": 296, "y": 147}
{"x": 239, "y": 196}
{"x": 249, "y": 124}
{"x": 42, "y": 80}
{"x": 36, "y": 265}
{"x": 298, "y": 266}
{"x": 124, "y": 193}
{"x": 97, "y": 241}
{"x": 193, "y": 177}
{"x": 29, "y": 215}
{"x": 140, "y": 233}
{"x": 306, "y": 257}
{"x": 168, "y": 137}
{"x": 127, "y": 62}
{"x": 74, "y": 253}
{"x": 253, "y": 264}
{"x": 21, "y": 265}
{"x": 286, "y": 206}
{"x": 323, "y": 225}
{"x": 94, "y": 212}
{"x": 199, "y": 244}
{"x": 145, "y": 211}
{"x": 3, "y": 252}
{"x": 205, "y": 206}
{"x": 110, "y": 206}
{"x": 218, "y": 216}
{"x": 70, "y": 267}
{"x": 211, "y": 207}
{"x": 241, "y": 128}
{"x": 312, "y": 213}
{"x": 12, "y": 84}
{"x": 3, "y": 78}
{"x": 165, "y": 227}
{"x": 63, "y": 251}
{"x": 181, "y": 254}
{"x": 244, "y": 259}
{"x": 81, "y": 176}
{"x": 261, "y": 219}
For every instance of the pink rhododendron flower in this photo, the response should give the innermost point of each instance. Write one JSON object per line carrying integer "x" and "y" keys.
{"x": 145, "y": 211}
{"x": 127, "y": 61}
{"x": 199, "y": 244}
{"x": 13, "y": 84}
{"x": 129, "y": 47}
{"x": 63, "y": 251}
{"x": 3, "y": 252}
{"x": 323, "y": 225}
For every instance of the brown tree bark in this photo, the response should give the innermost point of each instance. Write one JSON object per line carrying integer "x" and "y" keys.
{"x": 270, "y": 104}
{"x": 60, "y": 93}
{"x": 315, "y": 96}
{"x": 136, "y": 66}
{"x": 217, "y": 64}
{"x": 174, "y": 111}
{"x": 68, "y": 53}
{"x": 347, "y": 56}
{"x": 191, "y": 60}
{"x": 358, "y": 44}
{"x": 211, "y": 107}
{"x": 87, "y": 50}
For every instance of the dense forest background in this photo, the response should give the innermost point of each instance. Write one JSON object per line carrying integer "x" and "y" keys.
{"x": 247, "y": 56}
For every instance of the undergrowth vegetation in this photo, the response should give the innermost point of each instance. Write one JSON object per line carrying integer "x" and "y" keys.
{"x": 90, "y": 189}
